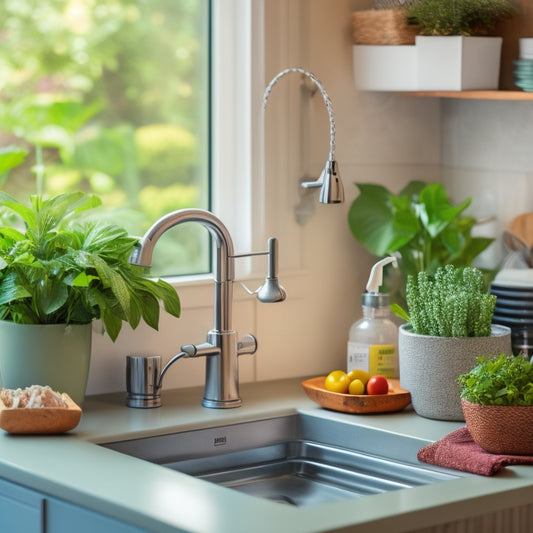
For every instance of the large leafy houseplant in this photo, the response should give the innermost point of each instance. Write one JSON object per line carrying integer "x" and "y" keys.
{"x": 419, "y": 225}
{"x": 62, "y": 269}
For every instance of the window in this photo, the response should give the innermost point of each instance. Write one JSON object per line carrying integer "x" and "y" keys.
{"x": 111, "y": 96}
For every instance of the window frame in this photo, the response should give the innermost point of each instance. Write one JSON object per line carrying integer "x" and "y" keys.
{"x": 254, "y": 200}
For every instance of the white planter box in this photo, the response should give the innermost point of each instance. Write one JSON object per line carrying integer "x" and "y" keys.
{"x": 385, "y": 67}
{"x": 456, "y": 63}
{"x": 452, "y": 63}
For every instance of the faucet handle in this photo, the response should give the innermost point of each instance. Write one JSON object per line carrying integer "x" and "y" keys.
{"x": 247, "y": 345}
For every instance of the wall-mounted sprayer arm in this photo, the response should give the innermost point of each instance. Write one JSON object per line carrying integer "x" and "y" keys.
{"x": 332, "y": 190}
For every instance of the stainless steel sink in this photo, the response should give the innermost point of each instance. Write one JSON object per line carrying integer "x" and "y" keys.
{"x": 298, "y": 459}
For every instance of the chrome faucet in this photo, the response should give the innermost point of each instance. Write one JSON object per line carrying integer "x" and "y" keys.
{"x": 221, "y": 349}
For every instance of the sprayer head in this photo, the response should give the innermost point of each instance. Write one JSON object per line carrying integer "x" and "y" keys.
{"x": 332, "y": 191}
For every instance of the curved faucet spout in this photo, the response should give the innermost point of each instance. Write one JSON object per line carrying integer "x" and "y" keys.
{"x": 224, "y": 270}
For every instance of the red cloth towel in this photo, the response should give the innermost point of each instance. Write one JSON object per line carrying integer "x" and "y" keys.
{"x": 459, "y": 451}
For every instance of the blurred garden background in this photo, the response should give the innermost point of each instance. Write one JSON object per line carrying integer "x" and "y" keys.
{"x": 111, "y": 97}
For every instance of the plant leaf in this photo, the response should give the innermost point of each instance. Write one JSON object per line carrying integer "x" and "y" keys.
{"x": 11, "y": 290}
{"x": 11, "y": 157}
{"x": 379, "y": 223}
{"x": 25, "y": 212}
{"x": 435, "y": 210}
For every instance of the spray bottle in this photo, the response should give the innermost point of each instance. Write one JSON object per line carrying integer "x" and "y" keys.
{"x": 373, "y": 340}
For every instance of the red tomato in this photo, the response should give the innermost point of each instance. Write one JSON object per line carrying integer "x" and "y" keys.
{"x": 377, "y": 385}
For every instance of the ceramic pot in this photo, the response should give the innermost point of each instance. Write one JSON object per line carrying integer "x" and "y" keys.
{"x": 46, "y": 354}
{"x": 458, "y": 62}
{"x": 430, "y": 366}
{"x": 503, "y": 429}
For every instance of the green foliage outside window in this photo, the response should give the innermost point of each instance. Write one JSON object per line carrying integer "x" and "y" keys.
{"x": 110, "y": 96}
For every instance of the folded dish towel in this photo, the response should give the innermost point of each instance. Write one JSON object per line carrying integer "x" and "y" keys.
{"x": 459, "y": 451}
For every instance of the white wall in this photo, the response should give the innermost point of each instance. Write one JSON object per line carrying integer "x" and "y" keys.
{"x": 380, "y": 138}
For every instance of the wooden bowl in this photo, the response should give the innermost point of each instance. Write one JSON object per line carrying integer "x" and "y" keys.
{"x": 357, "y": 403}
{"x": 40, "y": 420}
{"x": 500, "y": 429}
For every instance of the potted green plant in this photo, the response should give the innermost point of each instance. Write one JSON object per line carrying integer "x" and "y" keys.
{"x": 419, "y": 225}
{"x": 449, "y": 326}
{"x": 458, "y": 17}
{"x": 454, "y": 51}
{"x": 497, "y": 402}
{"x": 58, "y": 273}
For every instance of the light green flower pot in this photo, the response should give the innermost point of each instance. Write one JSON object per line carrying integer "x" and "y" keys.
{"x": 430, "y": 366}
{"x": 46, "y": 354}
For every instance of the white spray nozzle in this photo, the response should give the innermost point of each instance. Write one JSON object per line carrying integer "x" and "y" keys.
{"x": 376, "y": 274}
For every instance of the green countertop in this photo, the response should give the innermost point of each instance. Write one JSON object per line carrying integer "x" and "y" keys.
{"x": 74, "y": 468}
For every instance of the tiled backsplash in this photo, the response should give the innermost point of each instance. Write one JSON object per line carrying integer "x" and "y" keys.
{"x": 487, "y": 153}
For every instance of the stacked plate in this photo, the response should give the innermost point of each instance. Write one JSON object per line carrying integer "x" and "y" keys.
{"x": 514, "y": 308}
{"x": 523, "y": 74}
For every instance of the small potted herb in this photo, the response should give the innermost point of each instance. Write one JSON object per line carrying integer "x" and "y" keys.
{"x": 497, "y": 401}
{"x": 449, "y": 326}
{"x": 58, "y": 273}
{"x": 454, "y": 50}
{"x": 458, "y": 17}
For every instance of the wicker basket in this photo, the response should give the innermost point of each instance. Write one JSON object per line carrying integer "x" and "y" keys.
{"x": 501, "y": 429}
{"x": 382, "y": 26}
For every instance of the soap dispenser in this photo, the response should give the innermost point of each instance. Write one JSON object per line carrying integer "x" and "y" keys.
{"x": 373, "y": 340}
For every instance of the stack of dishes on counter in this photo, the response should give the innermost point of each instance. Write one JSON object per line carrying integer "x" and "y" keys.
{"x": 514, "y": 307}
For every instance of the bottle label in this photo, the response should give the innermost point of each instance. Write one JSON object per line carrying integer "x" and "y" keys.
{"x": 374, "y": 358}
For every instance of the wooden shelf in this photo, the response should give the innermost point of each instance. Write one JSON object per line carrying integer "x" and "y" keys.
{"x": 511, "y": 30}
{"x": 476, "y": 95}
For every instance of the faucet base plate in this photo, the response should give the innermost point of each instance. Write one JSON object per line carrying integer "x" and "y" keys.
{"x": 221, "y": 404}
{"x": 143, "y": 402}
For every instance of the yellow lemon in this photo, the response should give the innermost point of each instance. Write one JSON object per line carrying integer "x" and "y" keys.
{"x": 337, "y": 381}
{"x": 356, "y": 373}
{"x": 356, "y": 387}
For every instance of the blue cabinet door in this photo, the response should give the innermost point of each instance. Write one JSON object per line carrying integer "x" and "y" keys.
{"x": 62, "y": 517}
{"x": 21, "y": 509}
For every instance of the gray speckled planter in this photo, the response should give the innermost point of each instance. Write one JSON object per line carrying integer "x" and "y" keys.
{"x": 430, "y": 366}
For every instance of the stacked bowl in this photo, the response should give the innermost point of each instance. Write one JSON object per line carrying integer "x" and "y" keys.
{"x": 523, "y": 67}
{"x": 523, "y": 74}
{"x": 514, "y": 307}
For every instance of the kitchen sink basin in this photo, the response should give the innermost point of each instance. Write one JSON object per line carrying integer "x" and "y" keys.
{"x": 297, "y": 459}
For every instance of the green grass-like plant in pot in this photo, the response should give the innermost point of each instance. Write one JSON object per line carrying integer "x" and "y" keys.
{"x": 497, "y": 402}
{"x": 58, "y": 273}
{"x": 449, "y": 326}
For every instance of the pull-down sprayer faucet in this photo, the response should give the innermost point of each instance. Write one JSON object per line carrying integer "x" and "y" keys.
{"x": 330, "y": 183}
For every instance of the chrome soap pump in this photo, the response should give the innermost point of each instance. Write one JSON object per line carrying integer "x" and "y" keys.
{"x": 373, "y": 340}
